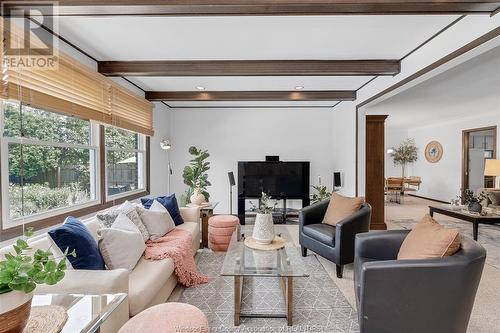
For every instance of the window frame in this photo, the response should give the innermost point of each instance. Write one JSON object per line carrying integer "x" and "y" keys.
{"x": 46, "y": 219}
{"x": 9, "y": 222}
{"x": 142, "y": 175}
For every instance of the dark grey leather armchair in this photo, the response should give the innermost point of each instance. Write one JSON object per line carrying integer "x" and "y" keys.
{"x": 414, "y": 296}
{"x": 334, "y": 243}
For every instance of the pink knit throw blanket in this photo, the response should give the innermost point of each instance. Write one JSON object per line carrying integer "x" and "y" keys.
{"x": 177, "y": 246}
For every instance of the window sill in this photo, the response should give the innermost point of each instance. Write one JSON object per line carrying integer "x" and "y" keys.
{"x": 58, "y": 218}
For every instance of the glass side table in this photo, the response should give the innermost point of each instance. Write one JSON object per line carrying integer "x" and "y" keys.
{"x": 86, "y": 313}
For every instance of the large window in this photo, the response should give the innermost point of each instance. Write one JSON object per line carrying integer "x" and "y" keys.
{"x": 49, "y": 163}
{"x": 125, "y": 162}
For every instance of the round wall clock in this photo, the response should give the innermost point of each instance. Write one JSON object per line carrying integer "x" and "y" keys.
{"x": 433, "y": 152}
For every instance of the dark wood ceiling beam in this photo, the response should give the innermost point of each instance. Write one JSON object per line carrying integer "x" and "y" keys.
{"x": 268, "y": 95}
{"x": 250, "y": 68}
{"x": 272, "y": 7}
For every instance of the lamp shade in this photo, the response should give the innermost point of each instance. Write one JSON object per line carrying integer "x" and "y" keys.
{"x": 492, "y": 167}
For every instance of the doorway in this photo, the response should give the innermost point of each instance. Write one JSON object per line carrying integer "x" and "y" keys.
{"x": 478, "y": 145}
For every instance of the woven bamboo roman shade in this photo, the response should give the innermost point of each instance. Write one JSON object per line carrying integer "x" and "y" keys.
{"x": 75, "y": 89}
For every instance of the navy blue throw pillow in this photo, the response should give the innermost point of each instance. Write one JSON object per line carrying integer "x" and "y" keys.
{"x": 74, "y": 235}
{"x": 170, "y": 203}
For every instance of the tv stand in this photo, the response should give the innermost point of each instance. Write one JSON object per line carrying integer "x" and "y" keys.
{"x": 285, "y": 212}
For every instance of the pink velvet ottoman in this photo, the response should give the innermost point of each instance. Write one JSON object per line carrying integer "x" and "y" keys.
{"x": 167, "y": 318}
{"x": 220, "y": 230}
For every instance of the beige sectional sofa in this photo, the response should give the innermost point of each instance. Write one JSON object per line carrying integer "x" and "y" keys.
{"x": 148, "y": 284}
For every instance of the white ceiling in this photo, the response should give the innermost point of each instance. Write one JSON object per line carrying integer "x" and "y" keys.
{"x": 250, "y": 37}
{"x": 467, "y": 90}
{"x": 251, "y": 82}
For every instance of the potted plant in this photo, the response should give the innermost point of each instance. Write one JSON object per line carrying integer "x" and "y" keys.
{"x": 321, "y": 194}
{"x": 263, "y": 230}
{"x": 473, "y": 201}
{"x": 20, "y": 272}
{"x": 406, "y": 153}
{"x": 196, "y": 177}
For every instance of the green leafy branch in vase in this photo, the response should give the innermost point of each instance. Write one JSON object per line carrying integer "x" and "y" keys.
{"x": 264, "y": 206}
{"x": 23, "y": 271}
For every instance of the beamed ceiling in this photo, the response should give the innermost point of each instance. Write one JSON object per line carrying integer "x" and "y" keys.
{"x": 173, "y": 49}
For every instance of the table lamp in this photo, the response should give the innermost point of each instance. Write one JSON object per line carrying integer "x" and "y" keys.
{"x": 492, "y": 168}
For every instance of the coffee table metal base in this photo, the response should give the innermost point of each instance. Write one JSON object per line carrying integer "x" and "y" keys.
{"x": 286, "y": 284}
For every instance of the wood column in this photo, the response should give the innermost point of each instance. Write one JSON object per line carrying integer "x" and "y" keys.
{"x": 374, "y": 169}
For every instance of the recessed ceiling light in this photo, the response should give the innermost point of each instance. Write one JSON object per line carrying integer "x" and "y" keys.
{"x": 200, "y": 88}
{"x": 299, "y": 87}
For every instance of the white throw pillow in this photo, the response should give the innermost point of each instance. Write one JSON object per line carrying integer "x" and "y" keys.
{"x": 122, "y": 245}
{"x": 108, "y": 217}
{"x": 157, "y": 223}
{"x": 156, "y": 206}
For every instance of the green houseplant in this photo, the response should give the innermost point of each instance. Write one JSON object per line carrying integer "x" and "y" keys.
{"x": 321, "y": 194}
{"x": 404, "y": 154}
{"x": 20, "y": 272}
{"x": 473, "y": 201}
{"x": 196, "y": 177}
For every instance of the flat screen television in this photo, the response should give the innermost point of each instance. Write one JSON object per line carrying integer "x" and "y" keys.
{"x": 285, "y": 180}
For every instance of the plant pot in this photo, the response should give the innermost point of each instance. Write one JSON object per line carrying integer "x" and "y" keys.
{"x": 15, "y": 308}
{"x": 197, "y": 198}
{"x": 475, "y": 207}
{"x": 263, "y": 231}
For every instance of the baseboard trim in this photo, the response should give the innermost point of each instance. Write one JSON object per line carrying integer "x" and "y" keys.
{"x": 426, "y": 198}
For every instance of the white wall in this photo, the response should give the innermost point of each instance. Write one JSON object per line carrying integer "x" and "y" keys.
{"x": 233, "y": 135}
{"x": 344, "y": 146}
{"x": 159, "y": 157}
{"x": 443, "y": 180}
{"x": 465, "y": 97}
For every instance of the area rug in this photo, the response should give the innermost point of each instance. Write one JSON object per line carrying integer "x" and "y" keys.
{"x": 488, "y": 234}
{"x": 319, "y": 306}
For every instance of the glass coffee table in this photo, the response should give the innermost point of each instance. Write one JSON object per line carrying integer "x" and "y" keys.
{"x": 86, "y": 313}
{"x": 242, "y": 262}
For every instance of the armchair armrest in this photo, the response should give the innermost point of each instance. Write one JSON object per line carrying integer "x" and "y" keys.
{"x": 380, "y": 245}
{"x": 190, "y": 214}
{"x": 347, "y": 229}
{"x": 80, "y": 281}
{"x": 313, "y": 214}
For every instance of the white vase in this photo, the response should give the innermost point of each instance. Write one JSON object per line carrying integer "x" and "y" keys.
{"x": 263, "y": 231}
{"x": 197, "y": 198}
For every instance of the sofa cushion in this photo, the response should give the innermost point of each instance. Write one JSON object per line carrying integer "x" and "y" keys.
{"x": 121, "y": 245}
{"x": 108, "y": 217}
{"x": 74, "y": 235}
{"x": 157, "y": 220}
{"x": 194, "y": 230}
{"x": 341, "y": 207}
{"x": 429, "y": 239}
{"x": 147, "y": 278}
{"x": 170, "y": 203}
{"x": 321, "y": 232}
